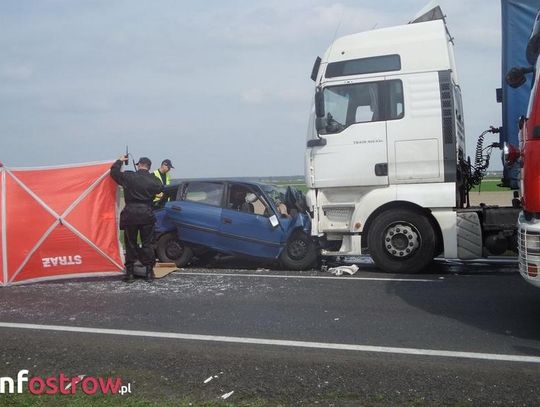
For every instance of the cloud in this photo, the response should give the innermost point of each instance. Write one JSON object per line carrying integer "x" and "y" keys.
{"x": 102, "y": 73}
{"x": 253, "y": 96}
{"x": 474, "y": 23}
{"x": 16, "y": 72}
{"x": 282, "y": 23}
{"x": 259, "y": 96}
{"x": 75, "y": 103}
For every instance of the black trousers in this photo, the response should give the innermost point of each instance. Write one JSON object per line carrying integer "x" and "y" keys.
{"x": 145, "y": 254}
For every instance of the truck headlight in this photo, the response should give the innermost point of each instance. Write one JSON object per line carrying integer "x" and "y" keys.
{"x": 532, "y": 244}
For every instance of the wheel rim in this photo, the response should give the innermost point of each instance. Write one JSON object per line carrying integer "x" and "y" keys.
{"x": 401, "y": 239}
{"x": 174, "y": 250}
{"x": 297, "y": 249}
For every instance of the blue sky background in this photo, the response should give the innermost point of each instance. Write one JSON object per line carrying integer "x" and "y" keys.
{"x": 220, "y": 88}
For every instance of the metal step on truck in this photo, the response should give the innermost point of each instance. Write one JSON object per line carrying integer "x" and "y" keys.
{"x": 385, "y": 162}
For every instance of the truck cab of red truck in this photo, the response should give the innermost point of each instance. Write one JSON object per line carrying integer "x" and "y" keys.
{"x": 529, "y": 219}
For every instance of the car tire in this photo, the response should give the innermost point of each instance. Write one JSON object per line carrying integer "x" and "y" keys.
{"x": 169, "y": 249}
{"x": 299, "y": 253}
{"x": 402, "y": 241}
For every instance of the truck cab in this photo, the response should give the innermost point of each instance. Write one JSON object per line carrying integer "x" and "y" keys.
{"x": 529, "y": 218}
{"x": 385, "y": 159}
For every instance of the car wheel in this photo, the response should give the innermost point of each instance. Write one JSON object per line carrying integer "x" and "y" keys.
{"x": 299, "y": 253}
{"x": 171, "y": 250}
{"x": 402, "y": 241}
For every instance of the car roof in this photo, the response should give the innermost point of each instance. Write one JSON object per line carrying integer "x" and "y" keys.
{"x": 176, "y": 183}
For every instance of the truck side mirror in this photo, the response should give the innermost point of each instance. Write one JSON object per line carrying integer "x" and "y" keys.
{"x": 320, "y": 124}
{"x": 315, "y": 70}
{"x": 516, "y": 76}
{"x": 319, "y": 103}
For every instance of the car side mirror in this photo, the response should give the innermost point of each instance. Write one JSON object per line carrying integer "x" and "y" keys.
{"x": 273, "y": 221}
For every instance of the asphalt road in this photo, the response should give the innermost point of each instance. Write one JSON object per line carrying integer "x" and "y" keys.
{"x": 431, "y": 339}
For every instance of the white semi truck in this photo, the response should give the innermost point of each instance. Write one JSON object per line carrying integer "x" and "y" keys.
{"x": 385, "y": 162}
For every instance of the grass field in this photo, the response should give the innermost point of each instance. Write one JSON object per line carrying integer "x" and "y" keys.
{"x": 490, "y": 185}
{"x": 487, "y": 185}
{"x": 82, "y": 400}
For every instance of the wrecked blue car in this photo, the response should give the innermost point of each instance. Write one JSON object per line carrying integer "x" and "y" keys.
{"x": 234, "y": 218}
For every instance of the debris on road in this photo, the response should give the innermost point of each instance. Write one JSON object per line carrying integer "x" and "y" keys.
{"x": 227, "y": 395}
{"x": 81, "y": 376}
{"x": 160, "y": 269}
{"x": 338, "y": 271}
{"x": 210, "y": 378}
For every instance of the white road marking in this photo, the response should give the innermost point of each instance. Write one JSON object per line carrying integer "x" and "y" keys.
{"x": 421, "y": 280}
{"x": 278, "y": 342}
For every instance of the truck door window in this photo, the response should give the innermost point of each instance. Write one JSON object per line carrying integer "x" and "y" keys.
{"x": 395, "y": 97}
{"x": 363, "y": 114}
{"x": 336, "y": 102}
{"x": 362, "y": 102}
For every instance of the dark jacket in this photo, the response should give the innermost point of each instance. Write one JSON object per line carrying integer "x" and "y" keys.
{"x": 140, "y": 189}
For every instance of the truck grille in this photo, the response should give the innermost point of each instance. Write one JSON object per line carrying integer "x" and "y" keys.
{"x": 338, "y": 214}
{"x": 529, "y": 254}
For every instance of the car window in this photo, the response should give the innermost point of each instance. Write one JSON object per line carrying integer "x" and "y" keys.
{"x": 276, "y": 194}
{"x": 245, "y": 199}
{"x": 209, "y": 193}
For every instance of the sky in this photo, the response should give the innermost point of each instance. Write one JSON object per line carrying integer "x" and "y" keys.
{"x": 222, "y": 88}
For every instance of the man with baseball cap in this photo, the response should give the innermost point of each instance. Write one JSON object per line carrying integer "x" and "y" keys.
{"x": 137, "y": 217}
{"x": 162, "y": 173}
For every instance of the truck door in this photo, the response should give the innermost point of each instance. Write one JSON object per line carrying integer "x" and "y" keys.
{"x": 355, "y": 153}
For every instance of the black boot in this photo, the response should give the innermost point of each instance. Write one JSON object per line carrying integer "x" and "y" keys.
{"x": 149, "y": 274}
{"x": 129, "y": 278}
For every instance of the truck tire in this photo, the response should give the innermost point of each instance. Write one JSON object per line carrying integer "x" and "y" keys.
{"x": 469, "y": 236}
{"x": 299, "y": 253}
{"x": 402, "y": 241}
{"x": 169, "y": 249}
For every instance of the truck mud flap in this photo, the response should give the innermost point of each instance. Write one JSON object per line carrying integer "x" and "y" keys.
{"x": 469, "y": 235}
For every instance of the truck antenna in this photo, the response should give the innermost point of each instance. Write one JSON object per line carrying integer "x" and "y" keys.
{"x": 334, "y": 37}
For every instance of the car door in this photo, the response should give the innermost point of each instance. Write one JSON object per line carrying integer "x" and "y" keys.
{"x": 197, "y": 215}
{"x": 247, "y": 229}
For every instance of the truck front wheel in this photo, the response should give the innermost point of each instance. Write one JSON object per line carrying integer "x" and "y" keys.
{"x": 402, "y": 241}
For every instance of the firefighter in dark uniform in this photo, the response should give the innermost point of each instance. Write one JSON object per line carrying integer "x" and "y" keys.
{"x": 137, "y": 216}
